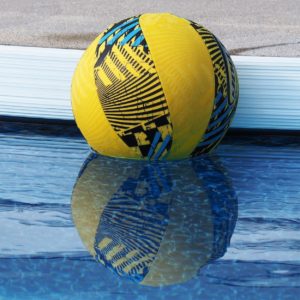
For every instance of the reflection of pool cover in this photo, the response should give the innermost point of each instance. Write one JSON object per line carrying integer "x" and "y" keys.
{"x": 157, "y": 224}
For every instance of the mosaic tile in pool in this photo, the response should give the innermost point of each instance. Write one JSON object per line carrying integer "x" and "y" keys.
{"x": 225, "y": 226}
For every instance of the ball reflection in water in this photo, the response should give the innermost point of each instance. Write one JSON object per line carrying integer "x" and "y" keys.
{"x": 154, "y": 223}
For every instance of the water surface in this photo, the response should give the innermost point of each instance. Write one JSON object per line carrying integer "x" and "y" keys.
{"x": 254, "y": 254}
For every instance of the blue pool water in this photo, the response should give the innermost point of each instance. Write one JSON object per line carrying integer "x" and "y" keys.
{"x": 225, "y": 226}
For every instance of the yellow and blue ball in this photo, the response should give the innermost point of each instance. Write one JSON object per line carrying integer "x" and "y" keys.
{"x": 154, "y": 86}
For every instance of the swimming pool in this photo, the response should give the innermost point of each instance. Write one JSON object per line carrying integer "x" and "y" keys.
{"x": 245, "y": 200}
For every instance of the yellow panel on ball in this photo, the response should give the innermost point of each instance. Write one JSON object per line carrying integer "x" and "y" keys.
{"x": 187, "y": 77}
{"x": 154, "y": 86}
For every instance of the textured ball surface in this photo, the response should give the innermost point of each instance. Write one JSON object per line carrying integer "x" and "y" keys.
{"x": 154, "y": 86}
{"x": 154, "y": 223}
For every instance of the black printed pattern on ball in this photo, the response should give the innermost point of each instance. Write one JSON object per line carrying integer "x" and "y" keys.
{"x": 226, "y": 92}
{"x": 130, "y": 91}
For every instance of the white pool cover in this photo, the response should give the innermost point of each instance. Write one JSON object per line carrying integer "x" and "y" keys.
{"x": 35, "y": 83}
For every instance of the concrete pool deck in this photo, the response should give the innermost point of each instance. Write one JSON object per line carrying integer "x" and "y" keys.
{"x": 257, "y": 27}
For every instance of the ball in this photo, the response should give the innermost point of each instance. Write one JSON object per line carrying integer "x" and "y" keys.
{"x": 154, "y": 86}
{"x": 156, "y": 223}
